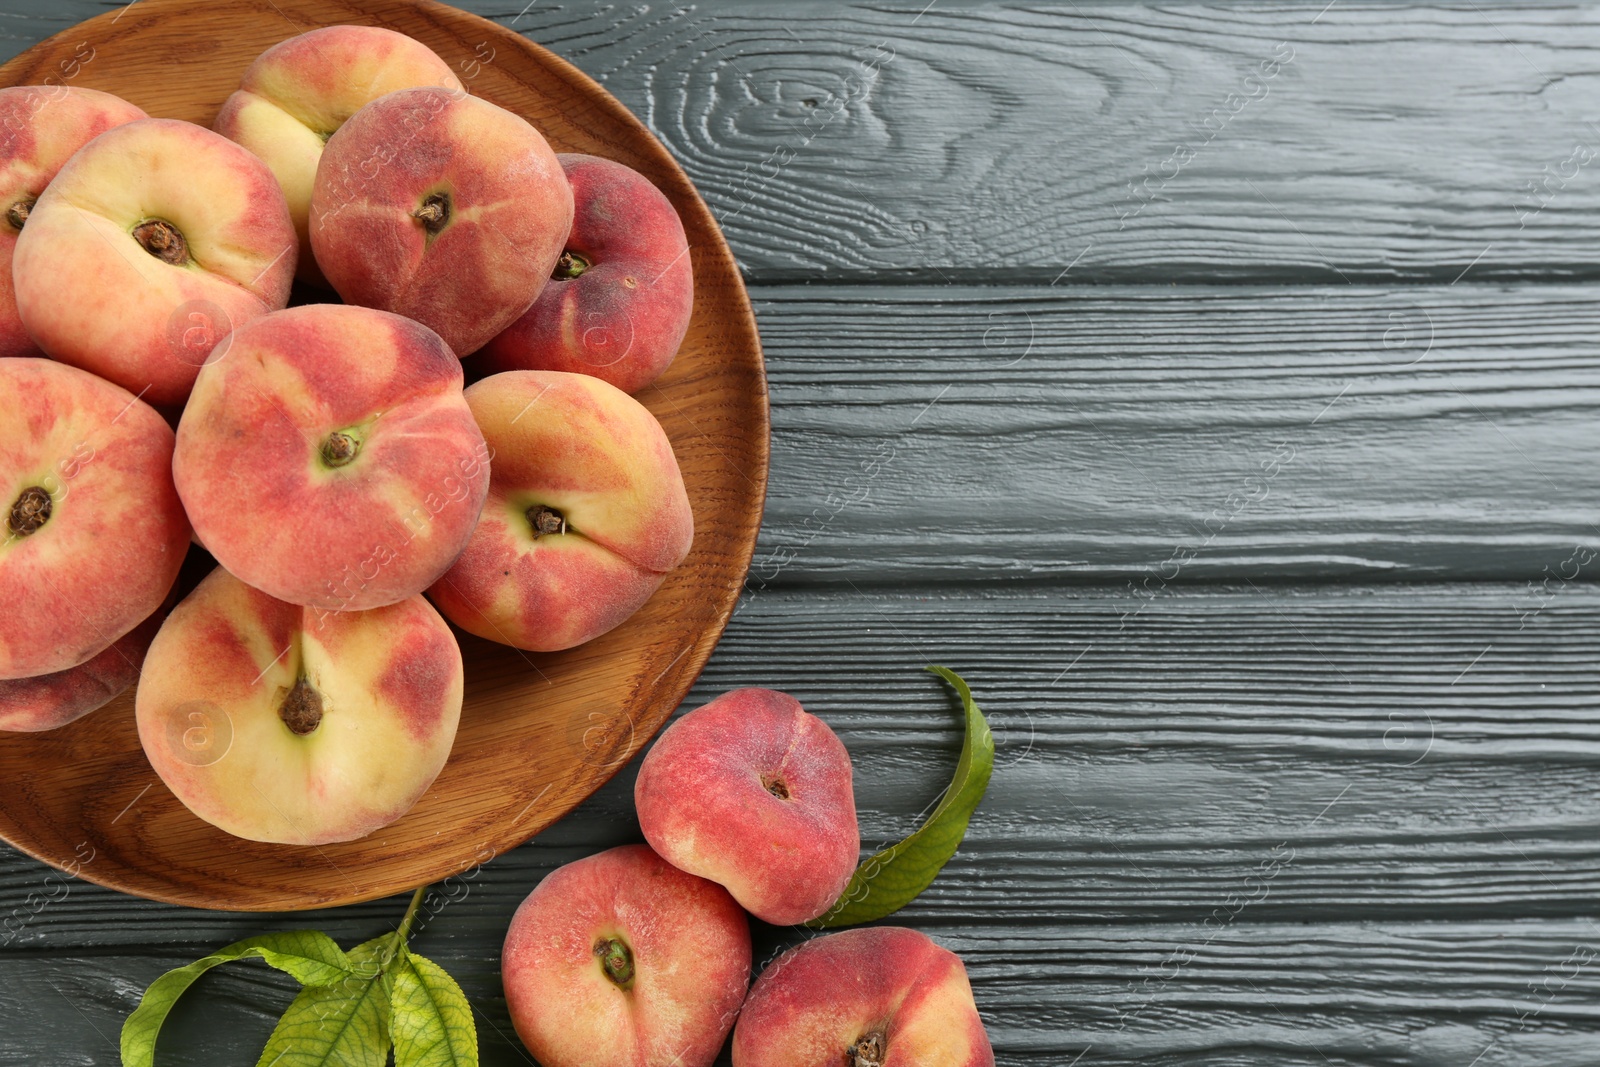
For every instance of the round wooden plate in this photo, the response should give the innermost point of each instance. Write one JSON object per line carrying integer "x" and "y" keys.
{"x": 539, "y": 733}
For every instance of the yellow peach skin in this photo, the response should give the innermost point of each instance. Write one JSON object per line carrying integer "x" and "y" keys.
{"x": 41, "y": 126}
{"x": 586, "y": 515}
{"x": 91, "y": 529}
{"x": 285, "y": 724}
{"x": 441, "y": 207}
{"x": 298, "y": 92}
{"x": 327, "y": 457}
{"x": 152, "y": 242}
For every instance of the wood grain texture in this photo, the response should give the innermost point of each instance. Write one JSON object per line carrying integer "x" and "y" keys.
{"x": 1420, "y": 749}
{"x": 1110, "y": 901}
{"x": 1251, "y": 827}
{"x": 539, "y": 732}
{"x": 1174, "y": 434}
{"x": 985, "y": 142}
{"x": 1259, "y": 995}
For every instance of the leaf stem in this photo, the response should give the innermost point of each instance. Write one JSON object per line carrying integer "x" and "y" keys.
{"x": 404, "y": 931}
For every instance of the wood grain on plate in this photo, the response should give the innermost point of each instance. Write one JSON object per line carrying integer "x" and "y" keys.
{"x": 538, "y": 732}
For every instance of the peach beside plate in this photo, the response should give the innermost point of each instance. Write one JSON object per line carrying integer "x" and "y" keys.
{"x": 539, "y": 733}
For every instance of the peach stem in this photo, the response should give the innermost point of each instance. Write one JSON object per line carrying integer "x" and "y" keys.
{"x": 163, "y": 240}
{"x": 546, "y": 520}
{"x": 569, "y": 266}
{"x": 17, "y": 214}
{"x": 615, "y": 960}
{"x": 301, "y": 710}
{"x": 868, "y": 1050}
{"x": 30, "y": 511}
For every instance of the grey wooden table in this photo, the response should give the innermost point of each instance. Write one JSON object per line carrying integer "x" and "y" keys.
{"x": 1216, "y": 389}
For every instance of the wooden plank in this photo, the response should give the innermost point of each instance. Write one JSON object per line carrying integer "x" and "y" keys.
{"x": 979, "y": 142}
{"x": 1249, "y": 995}
{"x": 1138, "y": 434}
{"x": 1410, "y": 752}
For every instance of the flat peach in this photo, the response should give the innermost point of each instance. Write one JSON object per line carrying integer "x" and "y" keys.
{"x": 41, "y": 126}
{"x": 620, "y": 300}
{"x": 621, "y": 958}
{"x": 152, "y": 242}
{"x": 299, "y": 91}
{"x": 755, "y": 794}
{"x": 586, "y": 515}
{"x": 284, "y": 724}
{"x": 327, "y": 457}
{"x": 50, "y": 701}
{"x": 441, "y": 207}
{"x": 882, "y": 996}
{"x": 93, "y": 533}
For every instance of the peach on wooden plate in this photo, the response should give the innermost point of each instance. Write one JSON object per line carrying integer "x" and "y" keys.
{"x": 49, "y": 701}
{"x": 441, "y": 207}
{"x": 881, "y": 996}
{"x": 150, "y": 244}
{"x": 755, "y": 794}
{"x": 621, "y": 958}
{"x": 300, "y": 91}
{"x": 328, "y": 457}
{"x": 586, "y": 515}
{"x": 620, "y": 299}
{"x": 286, "y": 724}
{"x": 41, "y": 126}
{"x": 91, "y": 530}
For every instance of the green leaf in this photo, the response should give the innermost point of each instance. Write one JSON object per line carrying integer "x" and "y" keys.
{"x": 309, "y": 956}
{"x": 432, "y": 1021}
{"x": 345, "y": 1023}
{"x": 893, "y": 878}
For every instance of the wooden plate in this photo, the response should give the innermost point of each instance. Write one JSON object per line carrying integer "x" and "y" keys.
{"x": 539, "y": 733}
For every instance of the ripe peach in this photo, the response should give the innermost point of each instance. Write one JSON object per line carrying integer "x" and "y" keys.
{"x": 152, "y": 242}
{"x": 621, "y": 958}
{"x": 880, "y": 996}
{"x": 284, "y": 724}
{"x": 753, "y": 793}
{"x": 48, "y": 701}
{"x": 441, "y": 207}
{"x": 587, "y": 512}
{"x": 93, "y": 531}
{"x": 327, "y": 457}
{"x": 299, "y": 91}
{"x": 40, "y": 128}
{"x": 619, "y": 302}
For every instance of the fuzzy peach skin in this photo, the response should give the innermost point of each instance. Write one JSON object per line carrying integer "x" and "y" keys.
{"x": 299, "y": 91}
{"x": 594, "y": 468}
{"x": 91, "y": 530}
{"x": 285, "y": 724}
{"x": 755, "y": 794}
{"x": 259, "y": 468}
{"x": 881, "y": 996}
{"x": 441, "y": 207}
{"x": 621, "y": 958}
{"x": 151, "y": 243}
{"x": 41, "y": 126}
{"x": 620, "y": 300}
{"x": 50, "y": 701}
